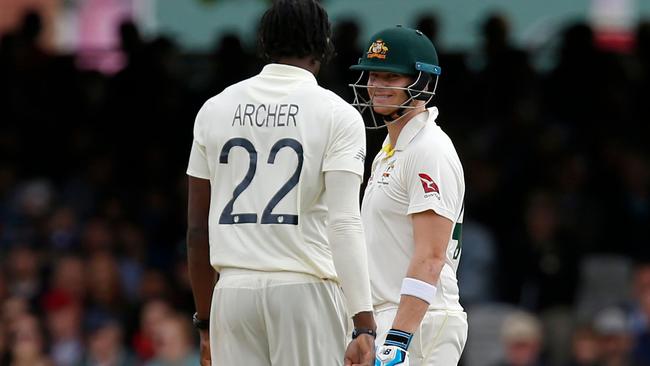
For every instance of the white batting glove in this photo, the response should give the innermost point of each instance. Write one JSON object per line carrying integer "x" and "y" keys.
{"x": 391, "y": 356}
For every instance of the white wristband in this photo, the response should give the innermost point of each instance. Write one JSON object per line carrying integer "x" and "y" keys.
{"x": 420, "y": 289}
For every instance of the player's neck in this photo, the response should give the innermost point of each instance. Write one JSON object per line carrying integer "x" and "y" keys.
{"x": 395, "y": 128}
{"x": 393, "y": 131}
{"x": 308, "y": 63}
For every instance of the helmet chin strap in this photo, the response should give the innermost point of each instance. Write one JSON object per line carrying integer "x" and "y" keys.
{"x": 397, "y": 115}
{"x": 400, "y": 113}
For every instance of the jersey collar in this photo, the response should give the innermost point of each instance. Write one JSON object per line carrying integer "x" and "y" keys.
{"x": 410, "y": 130}
{"x": 288, "y": 71}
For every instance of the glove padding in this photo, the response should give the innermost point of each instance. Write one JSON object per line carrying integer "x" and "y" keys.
{"x": 391, "y": 356}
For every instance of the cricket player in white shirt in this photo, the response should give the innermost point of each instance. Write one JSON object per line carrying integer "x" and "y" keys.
{"x": 273, "y": 210}
{"x": 413, "y": 205}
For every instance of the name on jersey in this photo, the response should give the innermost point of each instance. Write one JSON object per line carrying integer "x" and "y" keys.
{"x": 265, "y": 115}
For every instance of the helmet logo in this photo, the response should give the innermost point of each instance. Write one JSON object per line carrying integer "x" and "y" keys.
{"x": 378, "y": 49}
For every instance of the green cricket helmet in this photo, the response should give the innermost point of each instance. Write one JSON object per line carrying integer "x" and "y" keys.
{"x": 403, "y": 51}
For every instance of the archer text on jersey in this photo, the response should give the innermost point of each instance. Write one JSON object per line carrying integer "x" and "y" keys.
{"x": 265, "y": 115}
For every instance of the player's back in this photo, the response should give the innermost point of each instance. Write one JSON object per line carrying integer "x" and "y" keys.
{"x": 267, "y": 142}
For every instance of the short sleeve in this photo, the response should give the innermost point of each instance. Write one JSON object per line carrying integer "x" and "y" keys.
{"x": 435, "y": 182}
{"x": 346, "y": 150}
{"x": 198, "y": 164}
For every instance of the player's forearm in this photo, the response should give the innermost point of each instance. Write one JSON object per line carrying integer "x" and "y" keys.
{"x": 431, "y": 234}
{"x": 202, "y": 275}
{"x": 426, "y": 266}
{"x": 412, "y": 309}
{"x": 364, "y": 319}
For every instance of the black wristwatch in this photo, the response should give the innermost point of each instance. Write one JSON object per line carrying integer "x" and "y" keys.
{"x": 201, "y": 324}
{"x": 359, "y": 331}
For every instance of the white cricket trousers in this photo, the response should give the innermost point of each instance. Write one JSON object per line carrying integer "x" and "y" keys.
{"x": 439, "y": 340}
{"x": 276, "y": 319}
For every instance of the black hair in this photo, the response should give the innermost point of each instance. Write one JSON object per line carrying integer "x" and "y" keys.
{"x": 295, "y": 28}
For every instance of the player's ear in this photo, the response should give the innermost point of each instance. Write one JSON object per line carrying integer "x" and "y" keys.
{"x": 315, "y": 64}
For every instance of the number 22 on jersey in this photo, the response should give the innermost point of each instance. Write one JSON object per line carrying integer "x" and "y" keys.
{"x": 268, "y": 217}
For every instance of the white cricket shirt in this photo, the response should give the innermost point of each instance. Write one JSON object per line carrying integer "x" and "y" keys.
{"x": 264, "y": 144}
{"x": 423, "y": 173}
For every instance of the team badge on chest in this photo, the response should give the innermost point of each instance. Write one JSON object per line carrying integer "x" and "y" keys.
{"x": 385, "y": 175}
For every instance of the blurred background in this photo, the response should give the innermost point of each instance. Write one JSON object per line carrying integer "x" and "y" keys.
{"x": 548, "y": 104}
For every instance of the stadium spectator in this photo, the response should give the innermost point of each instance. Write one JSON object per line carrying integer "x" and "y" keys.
{"x": 584, "y": 347}
{"x": 173, "y": 343}
{"x": 152, "y": 313}
{"x": 68, "y": 275}
{"x": 522, "y": 340}
{"x": 27, "y": 342}
{"x": 104, "y": 345}
{"x": 614, "y": 338}
{"x": 64, "y": 315}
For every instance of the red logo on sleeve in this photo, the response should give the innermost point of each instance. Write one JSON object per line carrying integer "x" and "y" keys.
{"x": 428, "y": 184}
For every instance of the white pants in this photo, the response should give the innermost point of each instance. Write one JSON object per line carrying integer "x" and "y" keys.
{"x": 276, "y": 319}
{"x": 439, "y": 340}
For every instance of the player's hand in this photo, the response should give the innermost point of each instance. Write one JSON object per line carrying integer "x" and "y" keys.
{"x": 205, "y": 348}
{"x": 391, "y": 355}
{"x": 361, "y": 351}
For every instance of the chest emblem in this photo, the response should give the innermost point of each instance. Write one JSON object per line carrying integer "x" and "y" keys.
{"x": 387, "y": 172}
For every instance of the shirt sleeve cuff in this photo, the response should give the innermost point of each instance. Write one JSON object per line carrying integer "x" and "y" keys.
{"x": 437, "y": 209}
{"x": 345, "y": 168}
{"x": 195, "y": 174}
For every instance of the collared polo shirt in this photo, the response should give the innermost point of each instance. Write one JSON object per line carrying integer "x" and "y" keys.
{"x": 422, "y": 172}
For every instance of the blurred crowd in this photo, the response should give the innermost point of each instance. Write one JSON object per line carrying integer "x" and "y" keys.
{"x": 556, "y": 251}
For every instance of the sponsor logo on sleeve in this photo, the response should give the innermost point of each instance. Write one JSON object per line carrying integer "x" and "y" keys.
{"x": 430, "y": 187}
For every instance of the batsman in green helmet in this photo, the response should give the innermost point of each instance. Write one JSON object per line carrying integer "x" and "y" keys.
{"x": 412, "y": 208}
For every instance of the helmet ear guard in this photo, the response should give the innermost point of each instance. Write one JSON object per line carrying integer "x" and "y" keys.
{"x": 421, "y": 83}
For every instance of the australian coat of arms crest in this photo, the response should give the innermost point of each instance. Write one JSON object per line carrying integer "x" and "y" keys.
{"x": 378, "y": 49}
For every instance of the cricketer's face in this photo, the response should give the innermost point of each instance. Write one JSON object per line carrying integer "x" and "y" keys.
{"x": 385, "y": 100}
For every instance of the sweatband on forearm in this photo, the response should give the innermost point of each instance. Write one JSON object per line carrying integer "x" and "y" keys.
{"x": 420, "y": 289}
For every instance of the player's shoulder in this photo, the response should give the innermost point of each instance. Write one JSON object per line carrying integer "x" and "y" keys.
{"x": 333, "y": 102}
{"x": 434, "y": 137}
{"x": 222, "y": 99}
{"x": 232, "y": 91}
{"x": 332, "y": 107}
{"x": 326, "y": 98}
{"x": 433, "y": 141}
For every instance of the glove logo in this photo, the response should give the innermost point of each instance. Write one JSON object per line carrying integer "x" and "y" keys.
{"x": 378, "y": 49}
{"x": 391, "y": 356}
{"x": 428, "y": 184}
